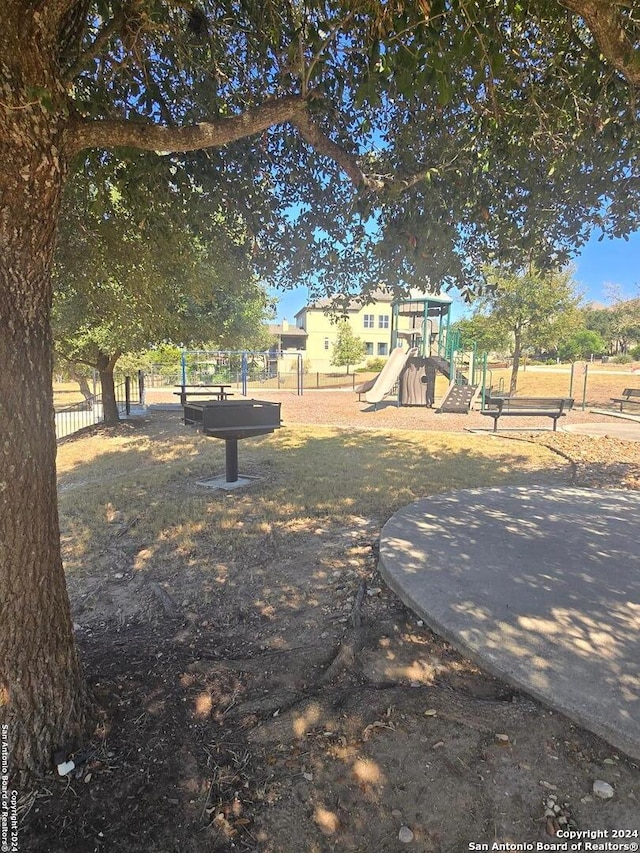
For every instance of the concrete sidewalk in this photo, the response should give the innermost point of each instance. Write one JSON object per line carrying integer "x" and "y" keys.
{"x": 627, "y": 429}
{"x": 540, "y": 586}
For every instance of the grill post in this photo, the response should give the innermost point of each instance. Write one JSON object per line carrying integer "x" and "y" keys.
{"x": 231, "y": 459}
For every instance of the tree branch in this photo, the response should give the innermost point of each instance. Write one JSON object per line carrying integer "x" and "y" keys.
{"x": 607, "y": 27}
{"x": 113, "y": 359}
{"x": 102, "y": 38}
{"x": 72, "y": 360}
{"x": 349, "y": 164}
{"x": 321, "y": 143}
{"x": 107, "y": 133}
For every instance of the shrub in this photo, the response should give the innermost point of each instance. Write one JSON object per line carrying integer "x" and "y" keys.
{"x": 373, "y": 365}
{"x": 625, "y": 358}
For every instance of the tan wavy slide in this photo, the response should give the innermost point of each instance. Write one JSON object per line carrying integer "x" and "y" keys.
{"x": 388, "y": 376}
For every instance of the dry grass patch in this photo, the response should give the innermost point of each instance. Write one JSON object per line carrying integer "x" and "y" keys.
{"x": 603, "y": 382}
{"x": 130, "y": 498}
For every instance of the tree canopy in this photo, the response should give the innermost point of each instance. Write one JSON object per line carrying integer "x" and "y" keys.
{"x": 525, "y": 309}
{"x": 618, "y": 323}
{"x": 469, "y": 132}
{"x": 582, "y": 343}
{"x": 138, "y": 270}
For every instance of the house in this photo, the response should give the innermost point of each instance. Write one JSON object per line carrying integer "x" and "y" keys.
{"x": 288, "y": 338}
{"x": 317, "y": 322}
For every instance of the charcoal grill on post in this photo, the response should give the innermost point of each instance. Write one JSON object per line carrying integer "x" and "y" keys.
{"x": 233, "y": 420}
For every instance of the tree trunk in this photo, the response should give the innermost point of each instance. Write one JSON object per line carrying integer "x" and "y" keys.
{"x": 82, "y": 381}
{"x": 43, "y": 698}
{"x": 105, "y": 367}
{"x": 517, "y": 352}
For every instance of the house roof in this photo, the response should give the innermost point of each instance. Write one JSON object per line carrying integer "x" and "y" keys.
{"x": 290, "y": 332}
{"x": 353, "y": 304}
{"x": 356, "y": 303}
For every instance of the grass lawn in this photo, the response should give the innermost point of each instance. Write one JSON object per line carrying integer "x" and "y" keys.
{"x": 308, "y": 475}
{"x": 66, "y": 394}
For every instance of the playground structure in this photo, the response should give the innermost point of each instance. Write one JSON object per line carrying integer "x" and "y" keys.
{"x": 432, "y": 347}
{"x": 422, "y": 345}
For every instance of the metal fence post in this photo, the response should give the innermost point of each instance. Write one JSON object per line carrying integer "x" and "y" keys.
{"x": 127, "y": 394}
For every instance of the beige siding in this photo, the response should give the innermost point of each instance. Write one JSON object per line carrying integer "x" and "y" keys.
{"x": 372, "y": 324}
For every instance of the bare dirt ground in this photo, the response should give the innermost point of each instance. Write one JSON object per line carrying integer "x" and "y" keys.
{"x": 291, "y": 703}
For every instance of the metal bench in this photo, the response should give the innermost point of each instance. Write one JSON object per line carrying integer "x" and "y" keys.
{"x": 628, "y": 397}
{"x": 526, "y": 407}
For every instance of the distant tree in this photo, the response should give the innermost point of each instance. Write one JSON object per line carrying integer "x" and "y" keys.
{"x": 529, "y": 308}
{"x": 601, "y": 321}
{"x": 483, "y": 331}
{"x": 618, "y": 324}
{"x": 348, "y": 348}
{"x": 626, "y": 323}
{"x": 132, "y": 272}
{"x": 583, "y": 343}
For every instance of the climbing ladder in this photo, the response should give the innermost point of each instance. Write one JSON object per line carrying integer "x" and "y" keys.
{"x": 464, "y": 369}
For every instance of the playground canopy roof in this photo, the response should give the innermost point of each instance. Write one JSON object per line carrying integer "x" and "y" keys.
{"x": 436, "y": 304}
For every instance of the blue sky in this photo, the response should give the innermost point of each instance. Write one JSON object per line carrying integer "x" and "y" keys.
{"x": 599, "y": 263}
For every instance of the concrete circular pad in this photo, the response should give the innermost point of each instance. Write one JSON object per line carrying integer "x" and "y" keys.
{"x": 541, "y": 586}
{"x": 625, "y": 430}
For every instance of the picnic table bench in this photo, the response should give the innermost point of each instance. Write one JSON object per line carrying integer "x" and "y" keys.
{"x": 628, "y": 397}
{"x": 526, "y": 407}
{"x": 217, "y": 391}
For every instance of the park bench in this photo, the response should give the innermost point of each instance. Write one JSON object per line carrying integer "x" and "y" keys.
{"x": 216, "y": 391}
{"x": 628, "y": 397}
{"x": 526, "y": 407}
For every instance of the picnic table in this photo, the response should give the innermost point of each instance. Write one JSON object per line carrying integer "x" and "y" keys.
{"x": 216, "y": 390}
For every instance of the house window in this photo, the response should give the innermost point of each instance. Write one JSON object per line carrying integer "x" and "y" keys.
{"x": 383, "y": 321}
{"x": 383, "y": 349}
{"x": 326, "y": 343}
{"x": 369, "y": 320}
{"x": 368, "y": 348}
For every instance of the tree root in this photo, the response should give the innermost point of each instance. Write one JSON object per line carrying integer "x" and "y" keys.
{"x": 352, "y": 643}
{"x": 167, "y": 603}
